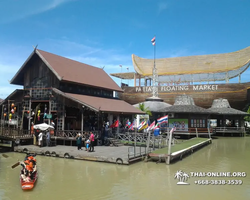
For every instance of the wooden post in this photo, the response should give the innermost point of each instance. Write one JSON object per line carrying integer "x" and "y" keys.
{"x": 21, "y": 126}
{"x": 82, "y": 122}
{"x": 196, "y": 132}
{"x": 8, "y": 113}
{"x": 63, "y": 113}
{"x": 2, "y": 118}
{"x": 135, "y": 144}
{"x": 209, "y": 134}
{"x": 49, "y": 109}
{"x": 169, "y": 146}
{"x": 135, "y": 79}
{"x": 29, "y": 110}
{"x": 148, "y": 141}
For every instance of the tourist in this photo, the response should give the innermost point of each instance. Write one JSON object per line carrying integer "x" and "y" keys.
{"x": 48, "y": 138}
{"x": 79, "y": 141}
{"x": 40, "y": 139}
{"x": 87, "y": 145}
{"x": 36, "y": 135}
{"x": 92, "y": 139}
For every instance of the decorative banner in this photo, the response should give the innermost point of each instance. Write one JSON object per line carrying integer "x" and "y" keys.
{"x": 180, "y": 124}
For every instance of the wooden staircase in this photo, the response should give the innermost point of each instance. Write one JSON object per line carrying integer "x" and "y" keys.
{"x": 115, "y": 142}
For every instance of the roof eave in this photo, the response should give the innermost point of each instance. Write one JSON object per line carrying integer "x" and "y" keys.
{"x": 48, "y": 65}
{"x": 13, "y": 80}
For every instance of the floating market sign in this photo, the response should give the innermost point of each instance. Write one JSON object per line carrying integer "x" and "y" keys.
{"x": 178, "y": 88}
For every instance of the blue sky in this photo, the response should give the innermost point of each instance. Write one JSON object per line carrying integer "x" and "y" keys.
{"x": 107, "y": 32}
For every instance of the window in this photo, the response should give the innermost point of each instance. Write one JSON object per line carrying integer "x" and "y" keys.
{"x": 198, "y": 123}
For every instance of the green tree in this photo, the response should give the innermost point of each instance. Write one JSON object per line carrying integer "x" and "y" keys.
{"x": 247, "y": 118}
{"x": 144, "y": 109}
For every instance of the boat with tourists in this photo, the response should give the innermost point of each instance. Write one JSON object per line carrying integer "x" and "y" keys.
{"x": 28, "y": 173}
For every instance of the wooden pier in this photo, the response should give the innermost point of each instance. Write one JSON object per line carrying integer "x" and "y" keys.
{"x": 179, "y": 150}
{"x": 117, "y": 155}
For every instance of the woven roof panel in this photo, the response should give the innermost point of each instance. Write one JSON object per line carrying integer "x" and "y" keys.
{"x": 214, "y": 63}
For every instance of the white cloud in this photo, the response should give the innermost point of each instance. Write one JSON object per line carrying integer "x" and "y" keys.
{"x": 162, "y": 6}
{"x": 17, "y": 10}
{"x": 95, "y": 56}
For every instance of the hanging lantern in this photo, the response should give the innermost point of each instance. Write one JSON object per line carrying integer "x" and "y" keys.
{"x": 28, "y": 111}
{"x": 15, "y": 108}
{"x": 38, "y": 115}
{"x": 12, "y": 105}
{"x": 4, "y": 114}
{"x": 12, "y": 111}
{"x": 10, "y": 115}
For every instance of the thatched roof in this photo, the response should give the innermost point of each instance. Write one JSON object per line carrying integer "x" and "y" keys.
{"x": 185, "y": 104}
{"x": 154, "y": 104}
{"x": 222, "y": 107}
{"x": 200, "y": 68}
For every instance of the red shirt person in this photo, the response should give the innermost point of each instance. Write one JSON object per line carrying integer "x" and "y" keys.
{"x": 92, "y": 139}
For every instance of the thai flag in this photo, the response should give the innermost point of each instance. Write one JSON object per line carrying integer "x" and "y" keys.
{"x": 151, "y": 126}
{"x": 156, "y": 126}
{"x": 162, "y": 119}
{"x": 127, "y": 123}
{"x": 131, "y": 126}
{"x": 153, "y": 41}
{"x": 142, "y": 124}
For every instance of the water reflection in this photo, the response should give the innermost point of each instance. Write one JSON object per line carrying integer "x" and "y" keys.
{"x": 72, "y": 179}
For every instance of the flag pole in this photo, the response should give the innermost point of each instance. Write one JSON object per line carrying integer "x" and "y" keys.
{"x": 154, "y": 52}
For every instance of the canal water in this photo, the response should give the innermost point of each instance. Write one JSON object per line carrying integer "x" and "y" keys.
{"x": 65, "y": 179}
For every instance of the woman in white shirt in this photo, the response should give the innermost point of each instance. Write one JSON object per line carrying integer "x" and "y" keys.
{"x": 40, "y": 139}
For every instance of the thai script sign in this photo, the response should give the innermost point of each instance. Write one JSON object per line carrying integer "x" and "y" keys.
{"x": 178, "y": 88}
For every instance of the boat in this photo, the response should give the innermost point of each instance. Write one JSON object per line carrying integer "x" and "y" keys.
{"x": 28, "y": 185}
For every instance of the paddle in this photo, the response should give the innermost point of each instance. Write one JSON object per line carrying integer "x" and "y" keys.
{"x": 15, "y": 165}
{"x": 4, "y": 155}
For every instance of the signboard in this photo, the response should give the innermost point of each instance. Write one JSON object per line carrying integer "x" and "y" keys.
{"x": 174, "y": 88}
{"x": 5, "y": 143}
{"x": 49, "y": 116}
{"x": 180, "y": 124}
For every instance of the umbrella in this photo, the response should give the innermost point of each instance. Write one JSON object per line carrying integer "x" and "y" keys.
{"x": 43, "y": 126}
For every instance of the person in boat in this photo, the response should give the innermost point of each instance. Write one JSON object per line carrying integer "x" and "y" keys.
{"x": 25, "y": 172}
{"x": 25, "y": 178}
{"x": 32, "y": 159}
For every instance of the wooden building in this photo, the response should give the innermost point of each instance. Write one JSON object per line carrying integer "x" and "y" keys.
{"x": 186, "y": 117}
{"x": 76, "y": 96}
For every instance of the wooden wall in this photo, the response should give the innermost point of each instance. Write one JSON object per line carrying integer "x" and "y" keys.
{"x": 237, "y": 94}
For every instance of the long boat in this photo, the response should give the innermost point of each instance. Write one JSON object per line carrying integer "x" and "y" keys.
{"x": 28, "y": 185}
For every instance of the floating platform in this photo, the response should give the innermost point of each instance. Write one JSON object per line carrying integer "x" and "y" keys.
{"x": 179, "y": 150}
{"x": 117, "y": 155}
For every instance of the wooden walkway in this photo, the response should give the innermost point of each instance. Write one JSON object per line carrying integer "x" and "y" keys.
{"x": 179, "y": 150}
{"x": 118, "y": 155}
